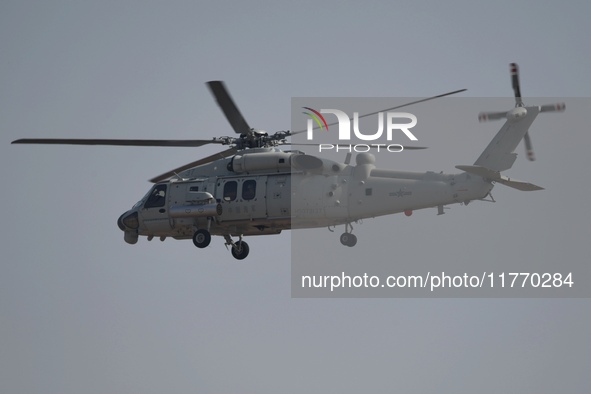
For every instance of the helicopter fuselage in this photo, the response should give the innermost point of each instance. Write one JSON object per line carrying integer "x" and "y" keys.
{"x": 265, "y": 191}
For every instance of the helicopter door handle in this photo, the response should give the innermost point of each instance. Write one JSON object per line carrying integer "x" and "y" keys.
{"x": 162, "y": 210}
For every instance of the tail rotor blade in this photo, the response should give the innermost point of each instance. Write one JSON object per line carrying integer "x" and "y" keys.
{"x": 558, "y": 107}
{"x": 529, "y": 151}
{"x": 515, "y": 83}
{"x": 486, "y": 116}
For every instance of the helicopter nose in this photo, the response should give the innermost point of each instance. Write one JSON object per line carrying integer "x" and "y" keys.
{"x": 128, "y": 221}
{"x": 129, "y": 224}
{"x": 120, "y": 222}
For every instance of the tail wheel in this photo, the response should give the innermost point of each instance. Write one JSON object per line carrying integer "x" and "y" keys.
{"x": 348, "y": 239}
{"x": 201, "y": 238}
{"x": 240, "y": 250}
{"x": 352, "y": 240}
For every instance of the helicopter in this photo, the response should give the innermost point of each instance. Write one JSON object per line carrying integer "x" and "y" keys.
{"x": 256, "y": 188}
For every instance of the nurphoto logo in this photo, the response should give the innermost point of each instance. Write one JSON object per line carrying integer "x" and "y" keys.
{"x": 344, "y": 130}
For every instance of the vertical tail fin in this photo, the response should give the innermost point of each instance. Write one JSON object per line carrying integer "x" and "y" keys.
{"x": 498, "y": 155}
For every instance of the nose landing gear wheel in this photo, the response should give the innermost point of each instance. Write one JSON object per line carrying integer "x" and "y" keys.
{"x": 201, "y": 238}
{"x": 348, "y": 239}
{"x": 240, "y": 250}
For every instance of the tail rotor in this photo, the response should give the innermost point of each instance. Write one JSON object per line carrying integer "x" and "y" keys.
{"x": 520, "y": 110}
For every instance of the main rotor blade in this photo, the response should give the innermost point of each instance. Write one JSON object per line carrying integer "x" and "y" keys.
{"x": 237, "y": 121}
{"x": 404, "y": 147}
{"x": 115, "y": 142}
{"x": 390, "y": 109}
{"x": 208, "y": 159}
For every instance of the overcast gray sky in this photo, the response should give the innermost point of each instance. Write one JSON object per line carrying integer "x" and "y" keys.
{"x": 82, "y": 311}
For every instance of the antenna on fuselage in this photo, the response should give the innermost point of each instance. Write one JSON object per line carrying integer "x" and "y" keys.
{"x": 348, "y": 158}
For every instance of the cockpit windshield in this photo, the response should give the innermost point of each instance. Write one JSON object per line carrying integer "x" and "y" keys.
{"x": 156, "y": 197}
{"x": 143, "y": 199}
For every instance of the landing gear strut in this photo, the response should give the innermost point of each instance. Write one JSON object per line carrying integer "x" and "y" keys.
{"x": 347, "y": 238}
{"x": 239, "y": 249}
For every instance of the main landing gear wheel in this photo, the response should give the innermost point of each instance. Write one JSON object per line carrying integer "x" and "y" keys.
{"x": 348, "y": 239}
{"x": 201, "y": 238}
{"x": 240, "y": 250}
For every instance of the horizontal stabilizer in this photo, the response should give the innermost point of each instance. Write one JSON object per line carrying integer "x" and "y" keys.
{"x": 519, "y": 185}
{"x": 497, "y": 177}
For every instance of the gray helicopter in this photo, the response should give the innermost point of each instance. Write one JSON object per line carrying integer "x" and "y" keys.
{"x": 255, "y": 188}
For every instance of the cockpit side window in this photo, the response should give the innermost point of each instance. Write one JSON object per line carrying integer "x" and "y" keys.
{"x": 230, "y": 190}
{"x": 157, "y": 197}
{"x": 249, "y": 190}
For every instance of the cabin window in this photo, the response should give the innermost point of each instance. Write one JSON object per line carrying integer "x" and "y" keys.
{"x": 368, "y": 191}
{"x": 249, "y": 189}
{"x": 157, "y": 197}
{"x": 194, "y": 189}
{"x": 230, "y": 190}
